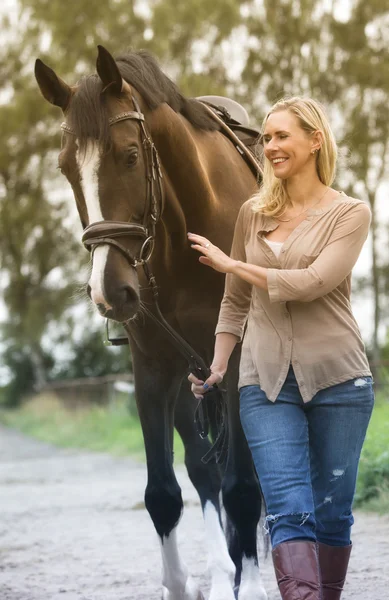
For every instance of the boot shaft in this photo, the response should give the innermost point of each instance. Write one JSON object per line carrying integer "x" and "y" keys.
{"x": 296, "y": 565}
{"x": 333, "y": 562}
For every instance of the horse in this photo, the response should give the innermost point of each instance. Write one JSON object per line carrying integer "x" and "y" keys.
{"x": 147, "y": 165}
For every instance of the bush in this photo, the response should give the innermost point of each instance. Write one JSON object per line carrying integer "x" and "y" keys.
{"x": 99, "y": 428}
{"x": 373, "y": 477}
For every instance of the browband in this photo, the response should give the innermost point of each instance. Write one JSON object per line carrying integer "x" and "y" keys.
{"x": 132, "y": 114}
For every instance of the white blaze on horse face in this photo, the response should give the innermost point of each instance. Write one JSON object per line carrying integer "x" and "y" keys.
{"x": 220, "y": 564}
{"x": 88, "y": 165}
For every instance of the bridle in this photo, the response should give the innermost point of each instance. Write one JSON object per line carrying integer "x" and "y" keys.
{"x": 108, "y": 233}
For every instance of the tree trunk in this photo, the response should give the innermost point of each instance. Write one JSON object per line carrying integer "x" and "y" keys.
{"x": 376, "y": 287}
{"x": 40, "y": 374}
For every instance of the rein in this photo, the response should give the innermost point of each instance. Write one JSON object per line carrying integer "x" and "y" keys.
{"x": 110, "y": 233}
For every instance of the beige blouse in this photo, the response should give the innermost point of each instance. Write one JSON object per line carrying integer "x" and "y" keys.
{"x": 305, "y": 317}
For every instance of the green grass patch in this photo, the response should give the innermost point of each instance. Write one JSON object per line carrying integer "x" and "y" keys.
{"x": 379, "y": 504}
{"x": 373, "y": 478}
{"x": 102, "y": 429}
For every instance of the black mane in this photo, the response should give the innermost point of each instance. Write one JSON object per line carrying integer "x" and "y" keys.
{"x": 87, "y": 115}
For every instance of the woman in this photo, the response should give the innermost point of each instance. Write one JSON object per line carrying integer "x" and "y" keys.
{"x": 305, "y": 384}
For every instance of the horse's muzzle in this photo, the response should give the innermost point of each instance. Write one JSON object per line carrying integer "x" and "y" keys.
{"x": 121, "y": 304}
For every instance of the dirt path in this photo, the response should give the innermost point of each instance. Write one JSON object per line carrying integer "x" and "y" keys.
{"x": 73, "y": 527}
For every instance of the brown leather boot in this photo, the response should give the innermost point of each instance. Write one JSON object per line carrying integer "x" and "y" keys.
{"x": 333, "y": 561}
{"x": 296, "y": 565}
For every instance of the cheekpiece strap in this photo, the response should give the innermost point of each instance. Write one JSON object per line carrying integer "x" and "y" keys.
{"x": 66, "y": 128}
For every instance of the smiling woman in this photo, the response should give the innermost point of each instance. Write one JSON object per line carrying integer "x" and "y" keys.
{"x": 305, "y": 385}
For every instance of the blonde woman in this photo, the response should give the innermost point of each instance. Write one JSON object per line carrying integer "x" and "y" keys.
{"x": 305, "y": 384}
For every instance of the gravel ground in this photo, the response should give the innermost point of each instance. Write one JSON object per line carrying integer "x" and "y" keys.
{"x": 73, "y": 527}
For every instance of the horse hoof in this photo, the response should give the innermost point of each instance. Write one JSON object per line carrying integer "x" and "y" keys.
{"x": 188, "y": 595}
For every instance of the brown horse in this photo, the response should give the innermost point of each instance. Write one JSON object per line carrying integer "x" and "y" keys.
{"x": 146, "y": 166}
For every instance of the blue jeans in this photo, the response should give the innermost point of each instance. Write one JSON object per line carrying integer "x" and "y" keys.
{"x": 306, "y": 456}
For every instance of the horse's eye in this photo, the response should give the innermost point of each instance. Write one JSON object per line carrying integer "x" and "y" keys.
{"x": 132, "y": 158}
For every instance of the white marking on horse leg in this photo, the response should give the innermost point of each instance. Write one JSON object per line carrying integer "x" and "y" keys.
{"x": 220, "y": 564}
{"x": 177, "y": 584}
{"x": 88, "y": 165}
{"x": 251, "y": 585}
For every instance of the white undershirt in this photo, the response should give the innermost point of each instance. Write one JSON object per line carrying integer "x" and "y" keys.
{"x": 275, "y": 246}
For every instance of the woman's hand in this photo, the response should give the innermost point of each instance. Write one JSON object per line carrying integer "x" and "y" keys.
{"x": 212, "y": 256}
{"x": 199, "y": 387}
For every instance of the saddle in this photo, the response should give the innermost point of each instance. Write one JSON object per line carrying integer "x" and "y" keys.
{"x": 234, "y": 121}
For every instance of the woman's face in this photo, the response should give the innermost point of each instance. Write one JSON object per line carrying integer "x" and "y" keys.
{"x": 287, "y": 146}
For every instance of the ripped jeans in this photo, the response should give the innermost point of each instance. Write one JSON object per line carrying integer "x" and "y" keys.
{"x": 306, "y": 456}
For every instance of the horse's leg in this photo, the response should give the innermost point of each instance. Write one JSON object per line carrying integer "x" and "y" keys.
{"x": 242, "y": 501}
{"x": 206, "y": 479}
{"x": 155, "y": 392}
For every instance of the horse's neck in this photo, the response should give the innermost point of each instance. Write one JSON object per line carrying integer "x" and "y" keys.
{"x": 188, "y": 190}
{"x": 206, "y": 175}
{"x": 205, "y": 183}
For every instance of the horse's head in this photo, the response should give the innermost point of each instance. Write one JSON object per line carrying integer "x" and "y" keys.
{"x": 112, "y": 165}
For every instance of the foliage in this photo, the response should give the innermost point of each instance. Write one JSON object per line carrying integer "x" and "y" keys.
{"x": 90, "y": 358}
{"x": 23, "y": 375}
{"x": 385, "y": 350}
{"x": 373, "y": 478}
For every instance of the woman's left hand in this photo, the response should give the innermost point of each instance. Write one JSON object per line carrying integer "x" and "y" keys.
{"x": 212, "y": 256}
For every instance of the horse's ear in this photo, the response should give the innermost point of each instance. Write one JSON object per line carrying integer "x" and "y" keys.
{"x": 55, "y": 90}
{"x": 108, "y": 71}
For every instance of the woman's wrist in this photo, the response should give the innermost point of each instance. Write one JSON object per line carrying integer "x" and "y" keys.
{"x": 219, "y": 368}
{"x": 235, "y": 264}
{"x": 253, "y": 274}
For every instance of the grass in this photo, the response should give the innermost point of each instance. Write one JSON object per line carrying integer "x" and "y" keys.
{"x": 113, "y": 429}
{"x": 373, "y": 478}
{"x": 103, "y": 429}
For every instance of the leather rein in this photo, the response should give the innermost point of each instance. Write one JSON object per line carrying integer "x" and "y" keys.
{"x": 110, "y": 233}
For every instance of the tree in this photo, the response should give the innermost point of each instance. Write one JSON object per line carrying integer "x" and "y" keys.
{"x": 254, "y": 51}
{"x": 365, "y": 62}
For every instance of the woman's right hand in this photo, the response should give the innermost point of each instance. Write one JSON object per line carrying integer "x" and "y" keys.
{"x": 199, "y": 387}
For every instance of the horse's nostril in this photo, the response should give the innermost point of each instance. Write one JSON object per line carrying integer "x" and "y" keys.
{"x": 102, "y": 308}
{"x": 89, "y": 290}
{"x": 119, "y": 303}
{"x": 131, "y": 297}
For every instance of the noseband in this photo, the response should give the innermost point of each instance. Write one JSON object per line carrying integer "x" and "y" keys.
{"x": 110, "y": 232}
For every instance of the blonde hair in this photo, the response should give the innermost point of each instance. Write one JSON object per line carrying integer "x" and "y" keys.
{"x": 272, "y": 197}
